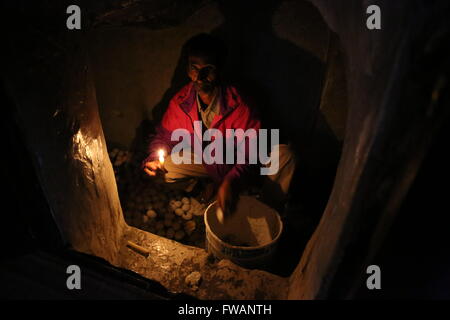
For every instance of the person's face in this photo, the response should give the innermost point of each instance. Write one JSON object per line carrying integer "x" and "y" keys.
{"x": 202, "y": 73}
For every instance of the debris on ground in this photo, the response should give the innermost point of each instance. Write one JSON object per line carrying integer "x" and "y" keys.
{"x": 193, "y": 279}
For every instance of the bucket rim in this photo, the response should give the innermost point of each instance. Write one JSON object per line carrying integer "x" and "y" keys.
{"x": 209, "y": 231}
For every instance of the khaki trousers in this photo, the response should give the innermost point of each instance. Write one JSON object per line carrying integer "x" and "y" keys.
{"x": 274, "y": 189}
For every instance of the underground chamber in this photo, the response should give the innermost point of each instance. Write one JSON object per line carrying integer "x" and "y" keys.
{"x": 100, "y": 96}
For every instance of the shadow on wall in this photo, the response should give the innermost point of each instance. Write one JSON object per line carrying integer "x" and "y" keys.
{"x": 283, "y": 80}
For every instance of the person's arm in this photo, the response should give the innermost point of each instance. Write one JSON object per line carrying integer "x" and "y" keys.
{"x": 241, "y": 172}
{"x": 238, "y": 176}
{"x": 161, "y": 138}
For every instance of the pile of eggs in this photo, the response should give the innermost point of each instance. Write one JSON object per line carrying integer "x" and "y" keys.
{"x": 154, "y": 207}
{"x": 118, "y": 158}
{"x": 165, "y": 212}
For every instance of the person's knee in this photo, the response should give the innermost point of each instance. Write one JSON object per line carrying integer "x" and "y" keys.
{"x": 182, "y": 171}
{"x": 174, "y": 178}
{"x": 282, "y": 159}
{"x": 286, "y": 156}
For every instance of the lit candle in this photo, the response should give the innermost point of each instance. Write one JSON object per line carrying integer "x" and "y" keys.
{"x": 161, "y": 156}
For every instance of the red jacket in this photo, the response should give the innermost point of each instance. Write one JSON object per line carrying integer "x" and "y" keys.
{"x": 183, "y": 111}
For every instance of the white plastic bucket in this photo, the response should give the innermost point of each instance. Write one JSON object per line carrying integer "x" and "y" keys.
{"x": 248, "y": 238}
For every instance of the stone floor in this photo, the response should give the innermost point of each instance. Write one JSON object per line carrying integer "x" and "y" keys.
{"x": 170, "y": 262}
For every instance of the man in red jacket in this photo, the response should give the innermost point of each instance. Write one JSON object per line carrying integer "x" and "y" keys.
{"x": 207, "y": 104}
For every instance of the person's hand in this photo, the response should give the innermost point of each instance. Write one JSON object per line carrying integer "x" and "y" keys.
{"x": 153, "y": 167}
{"x": 227, "y": 198}
{"x": 208, "y": 193}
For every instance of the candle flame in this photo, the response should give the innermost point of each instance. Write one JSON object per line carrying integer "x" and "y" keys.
{"x": 161, "y": 156}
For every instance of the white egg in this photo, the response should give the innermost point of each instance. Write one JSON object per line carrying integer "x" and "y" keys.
{"x": 151, "y": 213}
{"x": 187, "y": 216}
{"x": 178, "y": 204}
{"x": 179, "y": 235}
{"x": 179, "y": 211}
{"x": 189, "y": 227}
{"x": 198, "y": 212}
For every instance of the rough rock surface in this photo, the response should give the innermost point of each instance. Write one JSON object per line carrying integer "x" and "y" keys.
{"x": 170, "y": 262}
